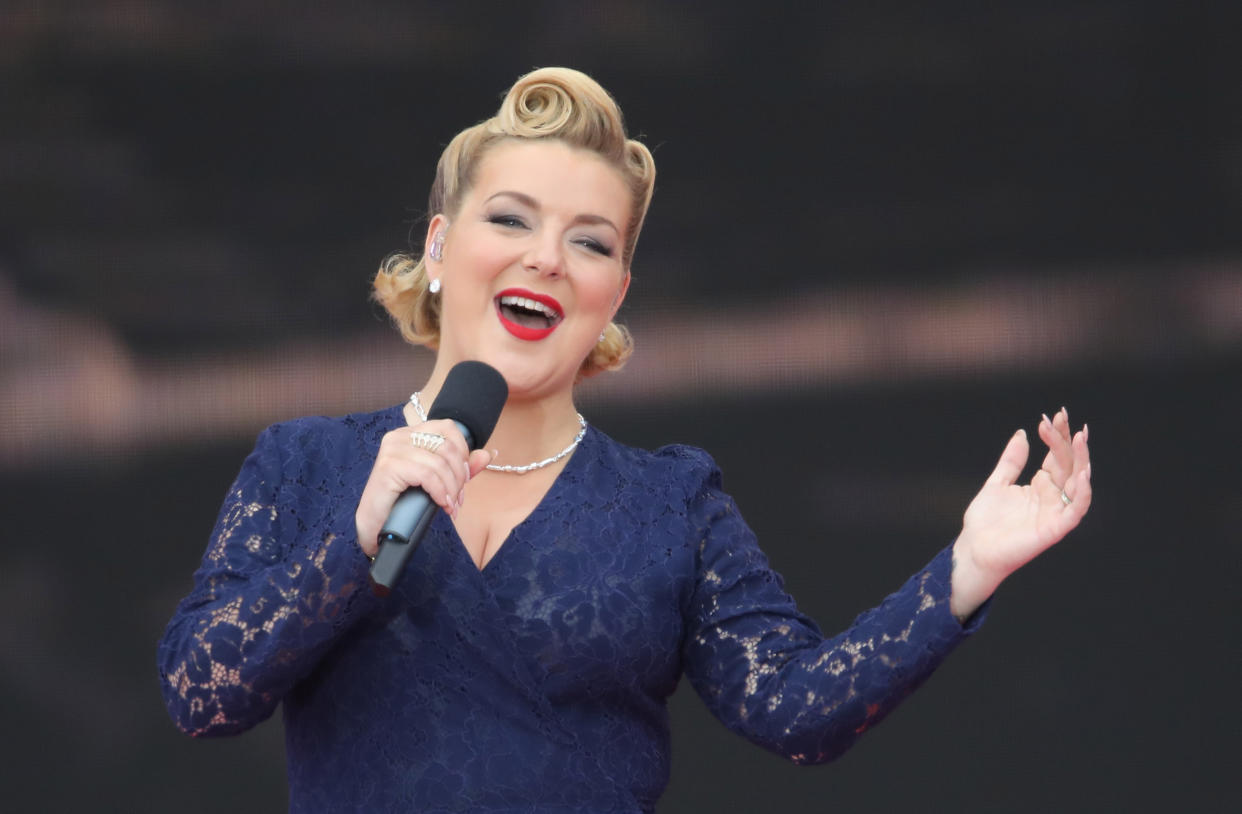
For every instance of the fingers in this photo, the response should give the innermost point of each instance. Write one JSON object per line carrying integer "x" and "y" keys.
{"x": 1067, "y": 456}
{"x": 1011, "y": 462}
{"x": 1081, "y": 465}
{"x": 1067, "y": 468}
{"x": 479, "y": 460}
{"x": 441, "y": 472}
{"x": 454, "y": 447}
{"x": 1080, "y": 490}
{"x": 1055, "y": 433}
{"x": 1060, "y": 423}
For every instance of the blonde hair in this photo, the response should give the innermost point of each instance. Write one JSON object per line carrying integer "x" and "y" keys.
{"x": 550, "y": 103}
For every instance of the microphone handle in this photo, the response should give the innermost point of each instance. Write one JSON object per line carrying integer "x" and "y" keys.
{"x": 413, "y": 510}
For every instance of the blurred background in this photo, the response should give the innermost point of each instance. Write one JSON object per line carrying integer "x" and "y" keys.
{"x": 884, "y": 236}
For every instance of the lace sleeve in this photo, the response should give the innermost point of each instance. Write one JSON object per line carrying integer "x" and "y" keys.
{"x": 767, "y": 672}
{"x": 280, "y": 580}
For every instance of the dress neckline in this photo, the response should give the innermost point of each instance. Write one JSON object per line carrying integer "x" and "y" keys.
{"x": 445, "y": 523}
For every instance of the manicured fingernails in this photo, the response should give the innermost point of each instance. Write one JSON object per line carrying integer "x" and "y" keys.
{"x": 1085, "y": 432}
{"x": 1047, "y": 419}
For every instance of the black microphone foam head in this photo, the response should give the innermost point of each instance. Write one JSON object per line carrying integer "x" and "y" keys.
{"x": 473, "y": 394}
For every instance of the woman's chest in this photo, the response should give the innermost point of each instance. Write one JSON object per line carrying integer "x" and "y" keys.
{"x": 493, "y": 505}
{"x": 591, "y": 605}
{"x": 482, "y": 534}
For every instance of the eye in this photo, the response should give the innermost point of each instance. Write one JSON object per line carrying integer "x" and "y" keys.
{"x": 594, "y": 245}
{"x": 509, "y": 221}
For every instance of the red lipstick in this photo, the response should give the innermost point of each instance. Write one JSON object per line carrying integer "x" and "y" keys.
{"x": 537, "y": 306}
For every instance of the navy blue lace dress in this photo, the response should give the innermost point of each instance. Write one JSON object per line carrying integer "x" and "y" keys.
{"x": 539, "y": 682}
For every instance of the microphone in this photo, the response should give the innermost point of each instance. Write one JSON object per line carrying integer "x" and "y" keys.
{"x": 472, "y": 397}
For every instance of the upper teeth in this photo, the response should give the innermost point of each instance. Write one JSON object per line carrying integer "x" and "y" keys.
{"x": 529, "y": 305}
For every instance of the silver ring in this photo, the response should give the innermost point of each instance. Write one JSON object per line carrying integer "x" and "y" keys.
{"x": 1065, "y": 498}
{"x": 429, "y": 441}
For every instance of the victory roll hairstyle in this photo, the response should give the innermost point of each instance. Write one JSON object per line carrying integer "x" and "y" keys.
{"x": 550, "y": 103}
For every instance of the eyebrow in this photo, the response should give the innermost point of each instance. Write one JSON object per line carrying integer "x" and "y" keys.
{"x": 523, "y": 198}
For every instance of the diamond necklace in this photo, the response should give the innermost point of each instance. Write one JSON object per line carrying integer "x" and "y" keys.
{"x": 518, "y": 470}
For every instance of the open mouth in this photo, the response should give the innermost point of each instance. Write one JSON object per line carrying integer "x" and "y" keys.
{"x": 527, "y": 315}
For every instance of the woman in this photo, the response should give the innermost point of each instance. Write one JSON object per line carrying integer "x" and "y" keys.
{"x": 524, "y": 659}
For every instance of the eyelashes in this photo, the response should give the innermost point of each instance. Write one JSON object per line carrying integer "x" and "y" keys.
{"x": 595, "y": 246}
{"x": 512, "y": 221}
{"x": 516, "y": 222}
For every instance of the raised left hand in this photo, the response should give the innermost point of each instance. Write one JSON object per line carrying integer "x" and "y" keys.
{"x": 1007, "y": 524}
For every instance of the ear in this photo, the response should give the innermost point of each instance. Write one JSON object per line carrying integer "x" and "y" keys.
{"x": 616, "y": 303}
{"x": 438, "y": 224}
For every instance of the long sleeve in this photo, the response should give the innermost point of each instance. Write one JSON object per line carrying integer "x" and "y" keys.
{"x": 539, "y": 681}
{"x": 767, "y": 672}
{"x": 281, "y": 579}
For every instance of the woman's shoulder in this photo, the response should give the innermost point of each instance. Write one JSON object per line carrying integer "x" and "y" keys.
{"x": 330, "y": 439}
{"x": 670, "y": 464}
{"x": 361, "y": 424}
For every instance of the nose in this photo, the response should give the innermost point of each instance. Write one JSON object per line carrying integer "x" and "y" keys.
{"x": 545, "y": 255}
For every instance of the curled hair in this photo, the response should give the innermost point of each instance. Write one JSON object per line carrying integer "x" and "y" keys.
{"x": 550, "y": 103}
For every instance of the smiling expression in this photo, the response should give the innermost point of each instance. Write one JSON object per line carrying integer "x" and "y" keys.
{"x": 531, "y": 264}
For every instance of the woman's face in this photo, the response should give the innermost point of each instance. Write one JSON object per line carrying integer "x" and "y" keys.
{"x": 530, "y": 267}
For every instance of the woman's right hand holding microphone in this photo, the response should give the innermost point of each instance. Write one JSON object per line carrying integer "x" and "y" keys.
{"x": 432, "y": 455}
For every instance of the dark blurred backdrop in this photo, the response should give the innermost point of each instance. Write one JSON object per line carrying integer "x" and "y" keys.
{"x": 884, "y": 236}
